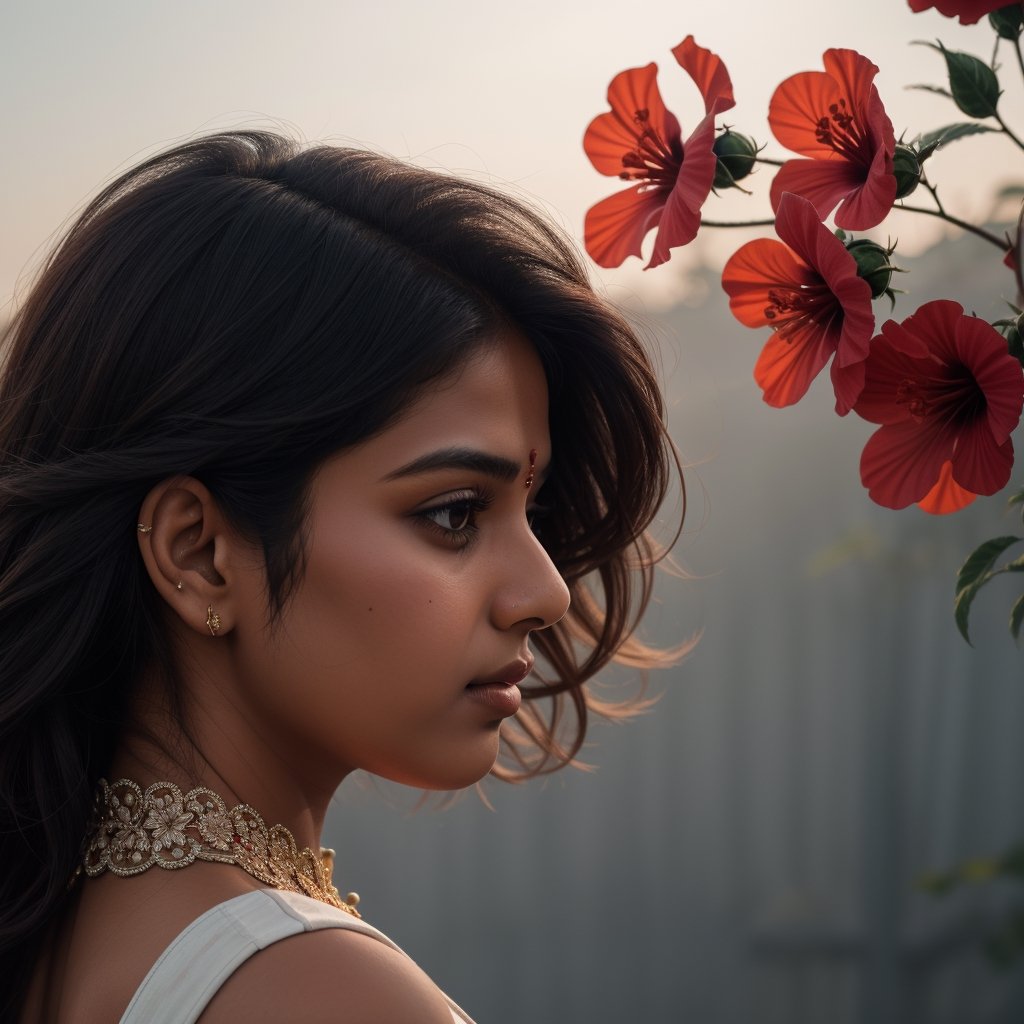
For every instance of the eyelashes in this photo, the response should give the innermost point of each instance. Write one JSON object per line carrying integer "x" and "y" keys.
{"x": 455, "y": 519}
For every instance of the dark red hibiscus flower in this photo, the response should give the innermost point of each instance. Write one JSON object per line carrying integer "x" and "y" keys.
{"x": 835, "y": 118}
{"x": 808, "y": 291}
{"x": 640, "y": 141}
{"x": 948, "y": 395}
{"x": 968, "y": 11}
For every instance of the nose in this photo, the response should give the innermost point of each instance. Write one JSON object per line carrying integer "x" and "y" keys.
{"x": 531, "y": 592}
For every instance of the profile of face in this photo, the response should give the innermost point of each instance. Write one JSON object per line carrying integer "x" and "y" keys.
{"x": 398, "y": 650}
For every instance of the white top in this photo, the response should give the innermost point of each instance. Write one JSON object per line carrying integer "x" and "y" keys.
{"x": 189, "y": 972}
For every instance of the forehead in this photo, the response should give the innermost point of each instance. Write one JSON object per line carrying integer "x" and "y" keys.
{"x": 497, "y": 401}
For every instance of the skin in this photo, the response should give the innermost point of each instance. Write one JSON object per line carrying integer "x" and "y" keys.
{"x": 422, "y": 576}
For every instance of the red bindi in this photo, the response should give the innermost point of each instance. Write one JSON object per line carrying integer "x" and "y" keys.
{"x": 533, "y": 467}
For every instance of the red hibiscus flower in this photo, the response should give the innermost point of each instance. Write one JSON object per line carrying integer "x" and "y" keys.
{"x": 835, "y": 118}
{"x": 640, "y": 141}
{"x": 948, "y": 395}
{"x": 808, "y": 291}
{"x": 969, "y": 11}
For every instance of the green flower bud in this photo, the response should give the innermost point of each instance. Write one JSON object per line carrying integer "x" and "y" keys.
{"x": 873, "y": 264}
{"x": 1014, "y": 334}
{"x": 907, "y": 168}
{"x": 736, "y": 156}
{"x": 1008, "y": 21}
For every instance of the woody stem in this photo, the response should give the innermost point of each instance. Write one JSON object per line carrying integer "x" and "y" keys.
{"x": 737, "y": 223}
{"x": 1006, "y": 130}
{"x": 998, "y": 242}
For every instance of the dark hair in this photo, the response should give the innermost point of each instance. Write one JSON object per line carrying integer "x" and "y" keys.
{"x": 238, "y": 309}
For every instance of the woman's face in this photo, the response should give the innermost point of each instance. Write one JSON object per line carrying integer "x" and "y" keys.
{"x": 398, "y": 651}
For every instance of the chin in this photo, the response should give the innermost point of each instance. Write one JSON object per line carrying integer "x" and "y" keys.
{"x": 457, "y": 771}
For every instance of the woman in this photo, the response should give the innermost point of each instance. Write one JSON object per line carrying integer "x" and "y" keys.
{"x": 304, "y": 454}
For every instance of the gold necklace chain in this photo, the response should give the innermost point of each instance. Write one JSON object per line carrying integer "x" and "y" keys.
{"x": 133, "y": 829}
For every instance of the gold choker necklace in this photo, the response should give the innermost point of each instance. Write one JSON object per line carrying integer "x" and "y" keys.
{"x": 134, "y": 829}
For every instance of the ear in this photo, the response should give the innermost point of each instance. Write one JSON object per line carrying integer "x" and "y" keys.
{"x": 191, "y": 553}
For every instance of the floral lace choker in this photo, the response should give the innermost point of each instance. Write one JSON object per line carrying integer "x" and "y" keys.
{"x": 134, "y": 829}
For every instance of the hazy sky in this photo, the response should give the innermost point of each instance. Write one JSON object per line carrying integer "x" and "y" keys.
{"x": 499, "y": 92}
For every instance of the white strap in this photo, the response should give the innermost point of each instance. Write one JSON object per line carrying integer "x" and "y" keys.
{"x": 189, "y": 972}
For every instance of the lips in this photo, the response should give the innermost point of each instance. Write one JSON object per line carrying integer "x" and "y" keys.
{"x": 514, "y": 672}
{"x": 498, "y": 693}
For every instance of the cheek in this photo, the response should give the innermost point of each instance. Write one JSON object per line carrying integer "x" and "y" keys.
{"x": 385, "y": 599}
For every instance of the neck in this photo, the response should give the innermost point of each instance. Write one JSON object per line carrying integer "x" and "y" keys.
{"x": 208, "y": 744}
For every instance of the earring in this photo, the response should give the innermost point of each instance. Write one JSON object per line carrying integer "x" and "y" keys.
{"x": 144, "y": 529}
{"x": 212, "y": 620}
{"x": 179, "y": 585}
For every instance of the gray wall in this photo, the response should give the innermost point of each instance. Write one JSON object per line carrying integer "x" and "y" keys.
{"x": 747, "y": 852}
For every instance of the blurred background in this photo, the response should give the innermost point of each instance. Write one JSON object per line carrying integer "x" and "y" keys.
{"x": 750, "y": 850}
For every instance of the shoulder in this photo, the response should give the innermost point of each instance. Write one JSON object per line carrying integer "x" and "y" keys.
{"x": 328, "y": 976}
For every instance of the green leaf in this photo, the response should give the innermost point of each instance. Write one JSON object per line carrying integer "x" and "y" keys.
{"x": 975, "y": 573}
{"x": 981, "y": 560}
{"x": 972, "y": 82}
{"x": 943, "y": 136}
{"x": 1017, "y": 618}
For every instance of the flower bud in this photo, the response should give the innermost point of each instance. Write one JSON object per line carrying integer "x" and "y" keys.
{"x": 1008, "y": 21}
{"x": 1013, "y": 331}
{"x": 907, "y": 168}
{"x": 873, "y": 264}
{"x": 736, "y": 155}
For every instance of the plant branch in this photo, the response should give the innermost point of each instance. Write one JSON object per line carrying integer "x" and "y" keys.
{"x": 999, "y": 243}
{"x": 1006, "y": 130}
{"x": 737, "y": 223}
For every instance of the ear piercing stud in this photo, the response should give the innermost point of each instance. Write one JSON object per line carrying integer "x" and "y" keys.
{"x": 212, "y": 621}
{"x": 144, "y": 529}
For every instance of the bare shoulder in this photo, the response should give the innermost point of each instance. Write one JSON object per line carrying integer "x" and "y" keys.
{"x": 328, "y": 976}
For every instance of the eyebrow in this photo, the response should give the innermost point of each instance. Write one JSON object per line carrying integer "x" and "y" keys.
{"x": 472, "y": 459}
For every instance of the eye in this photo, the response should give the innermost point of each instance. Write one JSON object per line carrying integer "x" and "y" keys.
{"x": 455, "y": 519}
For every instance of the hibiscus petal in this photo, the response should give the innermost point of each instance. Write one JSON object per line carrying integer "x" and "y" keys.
{"x": 854, "y": 76}
{"x": 680, "y": 220}
{"x": 947, "y": 495}
{"x": 952, "y": 337}
{"x": 847, "y": 382}
{"x": 969, "y": 11}
{"x": 611, "y": 135}
{"x": 616, "y": 227}
{"x": 824, "y": 182}
{"x": 885, "y": 369}
{"x": 901, "y": 461}
{"x": 983, "y": 350}
{"x": 870, "y": 202}
{"x": 787, "y": 366}
{"x": 798, "y": 225}
{"x": 979, "y": 464}
{"x": 795, "y": 109}
{"x": 708, "y": 73}
{"x": 753, "y": 270}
